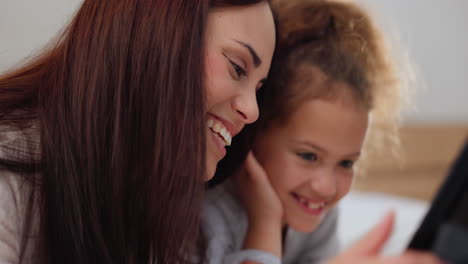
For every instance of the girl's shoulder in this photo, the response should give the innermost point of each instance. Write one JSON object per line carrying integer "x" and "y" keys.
{"x": 222, "y": 214}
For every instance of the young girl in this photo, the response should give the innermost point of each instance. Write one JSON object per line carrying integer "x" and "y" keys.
{"x": 331, "y": 74}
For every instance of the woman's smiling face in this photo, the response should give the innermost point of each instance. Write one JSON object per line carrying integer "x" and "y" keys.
{"x": 240, "y": 43}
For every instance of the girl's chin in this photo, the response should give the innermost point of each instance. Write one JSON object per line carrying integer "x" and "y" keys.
{"x": 304, "y": 229}
{"x": 305, "y": 226}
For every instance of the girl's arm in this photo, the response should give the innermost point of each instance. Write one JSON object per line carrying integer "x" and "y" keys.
{"x": 264, "y": 236}
{"x": 263, "y": 207}
{"x": 262, "y": 242}
{"x": 222, "y": 224}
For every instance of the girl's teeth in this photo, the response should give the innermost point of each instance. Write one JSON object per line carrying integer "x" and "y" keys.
{"x": 310, "y": 205}
{"x": 314, "y": 206}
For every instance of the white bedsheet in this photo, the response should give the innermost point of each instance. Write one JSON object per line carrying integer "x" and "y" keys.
{"x": 361, "y": 210}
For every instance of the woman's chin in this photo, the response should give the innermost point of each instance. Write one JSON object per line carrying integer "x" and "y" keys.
{"x": 210, "y": 169}
{"x": 208, "y": 175}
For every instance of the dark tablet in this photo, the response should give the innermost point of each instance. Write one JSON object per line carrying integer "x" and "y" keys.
{"x": 444, "y": 229}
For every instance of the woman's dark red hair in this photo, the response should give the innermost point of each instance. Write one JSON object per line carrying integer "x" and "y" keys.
{"x": 118, "y": 106}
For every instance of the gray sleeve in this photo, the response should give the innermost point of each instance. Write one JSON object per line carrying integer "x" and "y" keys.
{"x": 220, "y": 251}
{"x": 253, "y": 255}
{"x": 220, "y": 244}
{"x": 323, "y": 243}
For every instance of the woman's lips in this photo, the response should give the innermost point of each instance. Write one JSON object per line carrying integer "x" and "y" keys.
{"x": 218, "y": 143}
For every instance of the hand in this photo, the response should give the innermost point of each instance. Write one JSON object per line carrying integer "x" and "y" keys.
{"x": 367, "y": 250}
{"x": 264, "y": 208}
{"x": 257, "y": 195}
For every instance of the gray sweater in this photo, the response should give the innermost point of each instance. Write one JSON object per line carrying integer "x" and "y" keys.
{"x": 225, "y": 224}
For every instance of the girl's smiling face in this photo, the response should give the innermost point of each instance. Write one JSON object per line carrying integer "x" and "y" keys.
{"x": 309, "y": 159}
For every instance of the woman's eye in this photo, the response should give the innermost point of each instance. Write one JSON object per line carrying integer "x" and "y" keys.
{"x": 347, "y": 164}
{"x": 307, "y": 156}
{"x": 238, "y": 69}
{"x": 259, "y": 86}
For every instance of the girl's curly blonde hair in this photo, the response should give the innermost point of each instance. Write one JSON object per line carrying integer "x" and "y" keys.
{"x": 343, "y": 41}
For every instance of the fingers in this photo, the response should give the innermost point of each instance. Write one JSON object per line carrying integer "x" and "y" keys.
{"x": 253, "y": 168}
{"x": 414, "y": 257}
{"x": 367, "y": 250}
{"x": 372, "y": 243}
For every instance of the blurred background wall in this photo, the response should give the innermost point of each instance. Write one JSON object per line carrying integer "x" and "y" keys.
{"x": 432, "y": 31}
{"x": 435, "y": 36}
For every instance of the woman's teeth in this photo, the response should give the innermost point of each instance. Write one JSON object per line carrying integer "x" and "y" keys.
{"x": 221, "y": 130}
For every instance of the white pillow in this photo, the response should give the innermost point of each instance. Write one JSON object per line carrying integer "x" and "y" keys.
{"x": 360, "y": 211}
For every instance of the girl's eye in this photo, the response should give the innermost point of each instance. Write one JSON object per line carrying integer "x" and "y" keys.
{"x": 307, "y": 156}
{"x": 239, "y": 70}
{"x": 347, "y": 164}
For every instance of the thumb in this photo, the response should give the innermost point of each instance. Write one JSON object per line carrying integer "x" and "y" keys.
{"x": 373, "y": 242}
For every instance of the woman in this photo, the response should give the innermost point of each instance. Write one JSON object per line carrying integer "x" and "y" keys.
{"x": 105, "y": 137}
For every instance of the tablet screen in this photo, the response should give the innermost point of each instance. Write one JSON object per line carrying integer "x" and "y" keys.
{"x": 444, "y": 229}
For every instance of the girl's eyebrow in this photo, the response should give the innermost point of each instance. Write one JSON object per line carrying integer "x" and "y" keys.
{"x": 323, "y": 150}
{"x": 310, "y": 144}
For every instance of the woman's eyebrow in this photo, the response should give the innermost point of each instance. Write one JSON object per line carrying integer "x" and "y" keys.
{"x": 255, "y": 58}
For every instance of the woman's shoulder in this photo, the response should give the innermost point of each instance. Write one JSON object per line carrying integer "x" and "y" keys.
{"x": 15, "y": 191}
{"x": 15, "y": 140}
{"x": 12, "y": 206}
{"x": 13, "y": 143}
{"x": 11, "y": 187}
